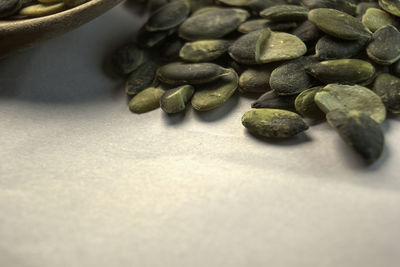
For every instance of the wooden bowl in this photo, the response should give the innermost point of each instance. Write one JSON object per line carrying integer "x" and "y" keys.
{"x": 19, "y": 34}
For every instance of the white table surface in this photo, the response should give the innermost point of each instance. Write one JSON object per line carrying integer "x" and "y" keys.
{"x": 84, "y": 182}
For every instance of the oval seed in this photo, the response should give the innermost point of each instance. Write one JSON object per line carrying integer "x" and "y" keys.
{"x": 375, "y": 18}
{"x": 41, "y": 10}
{"x": 142, "y": 78}
{"x": 259, "y": 5}
{"x": 205, "y": 50}
{"x": 391, "y": 6}
{"x": 213, "y": 95}
{"x": 281, "y": 46}
{"x": 307, "y": 31}
{"x": 329, "y": 47}
{"x": 388, "y": 88}
{"x": 342, "y": 71}
{"x": 128, "y": 58}
{"x": 306, "y": 106}
{"x": 273, "y": 123}
{"x": 291, "y": 78}
{"x": 168, "y": 16}
{"x": 146, "y": 100}
{"x": 360, "y": 132}
{"x": 342, "y": 5}
{"x": 351, "y": 97}
{"x": 271, "y": 99}
{"x": 174, "y": 100}
{"x": 364, "y": 6}
{"x": 253, "y": 25}
{"x": 9, "y": 7}
{"x": 213, "y": 24}
{"x": 197, "y": 73}
{"x": 385, "y": 46}
{"x": 285, "y": 13}
{"x": 247, "y": 48}
{"x": 235, "y": 2}
{"x": 255, "y": 80}
{"x": 338, "y": 24}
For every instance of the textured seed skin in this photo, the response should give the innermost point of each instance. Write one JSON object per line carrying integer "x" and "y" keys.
{"x": 213, "y": 24}
{"x": 285, "y": 13}
{"x": 333, "y": 48}
{"x": 349, "y": 71}
{"x": 388, "y": 88}
{"x": 343, "y": 5}
{"x": 258, "y": 24}
{"x": 235, "y": 2}
{"x": 177, "y": 73}
{"x": 375, "y": 18}
{"x": 127, "y": 58}
{"x": 351, "y": 97}
{"x": 360, "y": 132}
{"x": 306, "y": 106}
{"x": 142, "y": 78}
{"x": 174, "y": 100}
{"x": 146, "y": 100}
{"x": 206, "y": 50}
{"x": 338, "y": 24}
{"x": 273, "y": 123}
{"x": 168, "y": 16}
{"x": 271, "y": 99}
{"x": 9, "y": 7}
{"x": 307, "y": 32}
{"x": 391, "y": 6}
{"x": 255, "y": 80}
{"x": 215, "y": 94}
{"x": 384, "y": 48}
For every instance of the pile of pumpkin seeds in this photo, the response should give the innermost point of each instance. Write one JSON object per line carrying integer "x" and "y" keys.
{"x": 307, "y": 60}
{"x": 23, "y": 9}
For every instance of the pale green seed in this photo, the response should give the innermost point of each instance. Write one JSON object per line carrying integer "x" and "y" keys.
{"x": 306, "y": 106}
{"x": 41, "y": 10}
{"x": 285, "y": 13}
{"x": 146, "y": 100}
{"x": 391, "y": 6}
{"x": 174, "y": 100}
{"x": 205, "y": 50}
{"x": 375, "y": 18}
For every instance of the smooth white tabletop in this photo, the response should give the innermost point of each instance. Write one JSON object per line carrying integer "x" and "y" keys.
{"x": 85, "y": 182}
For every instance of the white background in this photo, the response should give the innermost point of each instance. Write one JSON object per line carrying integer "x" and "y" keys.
{"x": 84, "y": 182}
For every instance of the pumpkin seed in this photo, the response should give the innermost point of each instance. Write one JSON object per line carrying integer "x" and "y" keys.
{"x": 146, "y": 100}
{"x": 388, "y": 88}
{"x": 329, "y": 47}
{"x": 205, "y": 50}
{"x": 338, "y": 24}
{"x": 235, "y": 2}
{"x": 128, "y": 58}
{"x": 41, "y": 10}
{"x": 342, "y": 5}
{"x": 168, "y": 16}
{"x": 348, "y": 71}
{"x": 375, "y": 18}
{"x": 197, "y": 73}
{"x": 385, "y": 46}
{"x": 307, "y": 31}
{"x": 9, "y": 7}
{"x": 255, "y": 80}
{"x": 391, "y": 6}
{"x": 259, "y": 5}
{"x": 213, "y": 24}
{"x": 364, "y": 6}
{"x": 285, "y": 13}
{"x": 273, "y": 123}
{"x": 142, "y": 78}
{"x": 351, "y": 97}
{"x": 360, "y": 132}
{"x": 213, "y": 95}
{"x": 174, "y": 100}
{"x": 271, "y": 99}
{"x": 306, "y": 106}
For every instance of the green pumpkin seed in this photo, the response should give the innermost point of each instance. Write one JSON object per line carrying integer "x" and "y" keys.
{"x": 281, "y": 46}
{"x": 41, "y": 10}
{"x": 215, "y": 94}
{"x": 388, "y": 88}
{"x": 255, "y": 80}
{"x": 391, "y": 6}
{"x": 351, "y": 97}
{"x": 213, "y": 24}
{"x": 142, "y": 78}
{"x": 259, "y": 5}
{"x": 247, "y": 48}
{"x": 241, "y": 3}
{"x": 9, "y": 7}
{"x": 363, "y": 7}
{"x": 285, "y": 13}
{"x": 338, "y": 24}
{"x": 348, "y": 71}
{"x": 168, "y": 16}
{"x": 174, "y": 100}
{"x": 329, "y": 47}
{"x": 205, "y": 9}
{"x": 146, "y": 100}
{"x": 306, "y": 106}
{"x": 128, "y": 58}
{"x": 151, "y": 39}
{"x": 360, "y": 132}
{"x": 258, "y": 24}
{"x": 375, "y": 18}
{"x": 273, "y": 123}
{"x": 342, "y": 5}
{"x": 205, "y": 50}
{"x": 197, "y": 73}
{"x": 291, "y": 78}
{"x": 271, "y": 99}
{"x": 307, "y": 32}
{"x": 385, "y": 46}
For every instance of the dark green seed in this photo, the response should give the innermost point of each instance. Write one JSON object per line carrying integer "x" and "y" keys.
{"x": 273, "y": 123}
{"x": 9, "y": 7}
{"x": 142, "y": 78}
{"x": 338, "y": 24}
{"x": 391, "y": 6}
{"x": 307, "y": 31}
{"x": 360, "y": 132}
{"x": 342, "y": 5}
{"x": 128, "y": 58}
{"x": 306, "y": 106}
{"x": 197, "y": 73}
{"x": 388, "y": 88}
{"x": 285, "y": 13}
{"x": 174, "y": 100}
{"x": 348, "y": 71}
{"x": 271, "y": 99}
{"x": 364, "y": 6}
{"x": 205, "y": 50}
{"x": 259, "y": 5}
{"x": 168, "y": 16}
{"x": 333, "y": 48}
{"x": 255, "y": 80}
{"x": 385, "y": 46}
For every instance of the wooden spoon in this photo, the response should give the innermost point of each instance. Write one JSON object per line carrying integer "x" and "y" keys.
{"x": 19, "y": 34}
